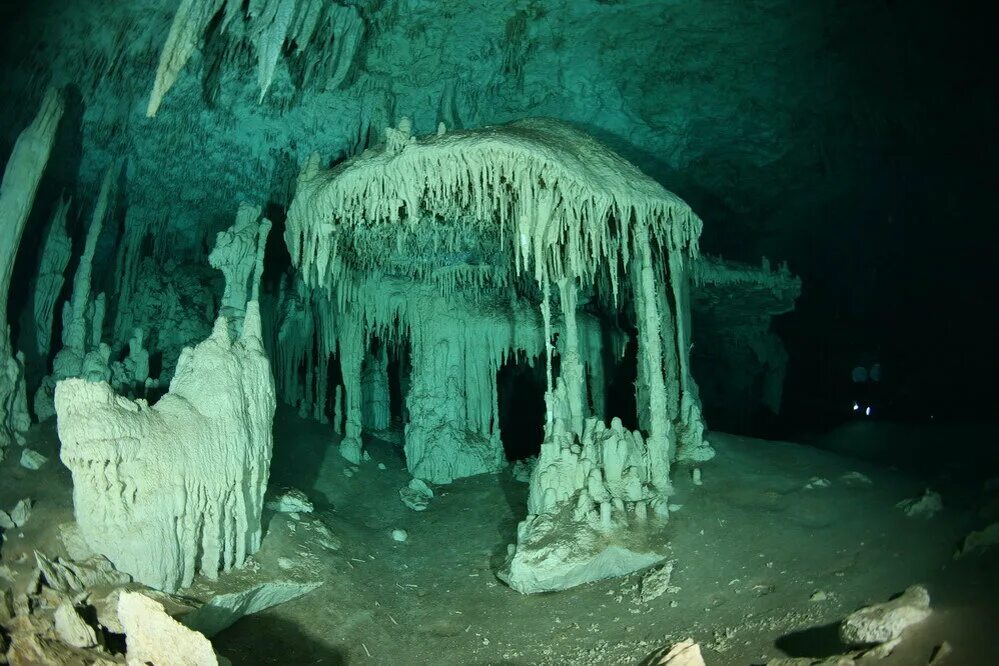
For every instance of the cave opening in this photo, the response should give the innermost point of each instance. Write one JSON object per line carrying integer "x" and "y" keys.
{"x": 521, "y": 395}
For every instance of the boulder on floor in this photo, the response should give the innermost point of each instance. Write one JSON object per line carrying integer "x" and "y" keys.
{"x": 882, "y": 623}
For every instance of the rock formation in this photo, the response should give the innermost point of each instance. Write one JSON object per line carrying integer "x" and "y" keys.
{"x": 17, "y": 194}
{"x": 56, "y": 252}
{"x": 168, "y": 491}
{"x": 451, "y": 240}
{"x": 321, "y": 38}
{"x": 239, "y": 254}
{"x": 83, "y": 352}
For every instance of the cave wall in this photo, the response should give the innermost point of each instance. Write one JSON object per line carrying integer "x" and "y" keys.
{"x": 813, "y": 132}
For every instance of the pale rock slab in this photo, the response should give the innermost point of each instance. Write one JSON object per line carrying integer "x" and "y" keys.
{"x": 69, "y": 576}
{"x": 885, "y": 622}
{"x": 153, "y": 637}
{"x": 684, "y": 653}
{"x": 31, "y": 459}
{"x": 221, "y": 611}
{"x": 71, "y": 628}
{"x": 168, "y": 491}
{"x": 21, "y": 512}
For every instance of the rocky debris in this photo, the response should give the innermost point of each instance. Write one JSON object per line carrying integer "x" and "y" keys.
{"x": 31, "y": 459}
{"x": 290, "y": 500}
{"x": 71, "y": 628}
{"x": 926, "y": 506}
{"x": 684, "y": 653}
{"x": 818, "y": 595}
{"x": 883, "y": 623}
{"x": 17, "y": 516}
{"x": 69, "y": 576}
{"x": 817, "y": 482}
{"x": 522, "y": 469}
{"x": 104, "y": 601}
{"x": 221, "y": 611}
{"x": 980, "y": 540}
{"x": 656, "y": 582}
{"x": 416, "y": 495}
{"x": 856, "y": 479}
{"x": 400, "y": 535}
{"x": 152, "y": 636}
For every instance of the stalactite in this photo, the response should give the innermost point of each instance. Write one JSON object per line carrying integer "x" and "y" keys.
{"x": 21, "y": 177}
{"x": 56, "y": 252}
{"x": 189, "y": 24}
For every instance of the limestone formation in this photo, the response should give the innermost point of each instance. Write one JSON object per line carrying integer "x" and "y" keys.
{"x": 239, "y": 254}
{"x": 21, "y": 177}
{"x": 320, "y": 38}
{"x": 168, "y": 491}
{"x": 83, "y": 354}
{"x": 593, "y": 510}
{"x": 56, "y": 252}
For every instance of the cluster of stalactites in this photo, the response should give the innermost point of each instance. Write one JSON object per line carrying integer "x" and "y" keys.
{"x": 550, "y": 224}
{"x": 323, "y": 34}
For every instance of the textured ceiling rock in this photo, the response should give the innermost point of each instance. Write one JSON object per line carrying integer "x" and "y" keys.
{"x": 724, "y": 101}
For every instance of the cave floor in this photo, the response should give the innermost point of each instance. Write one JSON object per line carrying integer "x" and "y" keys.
{"x": 751, "y": 546}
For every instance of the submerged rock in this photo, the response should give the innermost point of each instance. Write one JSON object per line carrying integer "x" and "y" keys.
{"x": 291, "y": 500}
{"x": 152, "y": 636}
{"x": 220, "y": 612}
{"x": 885, "y": 622}
{"x": 31, "y": 459}
{"x": 71, "y": 628}
{"x": 416, "y": 495}
{"x": 926, "y": 506}
{"x": 684, "y": 653}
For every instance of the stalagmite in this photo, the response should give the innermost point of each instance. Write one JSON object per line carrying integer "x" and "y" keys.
{"x": 168, "y": 491}
{"x": 55, "y": 256}
{"x": 81, "y": 314}
{"x": 21, "y": 177}
{"x": 239, "y": 254}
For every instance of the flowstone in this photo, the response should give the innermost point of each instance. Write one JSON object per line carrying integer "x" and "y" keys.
{"x": 168, "y": 491}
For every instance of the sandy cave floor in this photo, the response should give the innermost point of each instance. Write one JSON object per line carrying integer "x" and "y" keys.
{"x": 751, "y": 546}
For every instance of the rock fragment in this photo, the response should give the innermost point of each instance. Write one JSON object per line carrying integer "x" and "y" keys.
{"x": 882, "y": 623}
